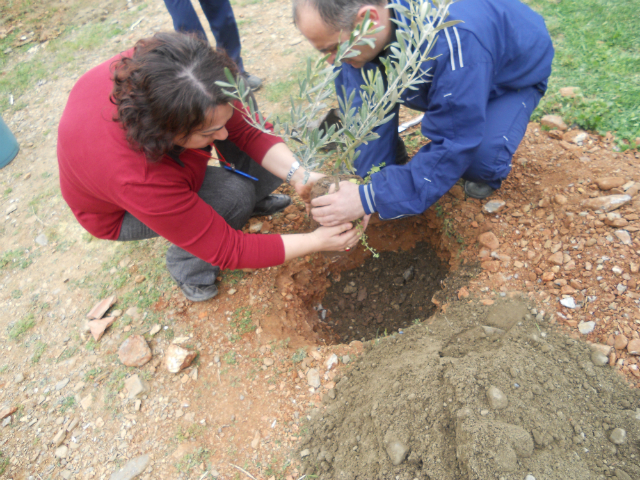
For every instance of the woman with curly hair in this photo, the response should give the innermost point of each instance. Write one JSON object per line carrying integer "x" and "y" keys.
{"x": 134, "y": 144}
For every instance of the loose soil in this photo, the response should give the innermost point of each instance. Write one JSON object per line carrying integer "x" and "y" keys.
{"x": 385, "y": 295}
{"x": 416, "y": 406}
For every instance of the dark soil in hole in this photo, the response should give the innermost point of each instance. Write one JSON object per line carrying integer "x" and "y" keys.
{"x": 385, "y": 294}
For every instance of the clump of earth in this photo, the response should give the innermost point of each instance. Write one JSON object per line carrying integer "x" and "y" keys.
{"x": 477, "y": 392}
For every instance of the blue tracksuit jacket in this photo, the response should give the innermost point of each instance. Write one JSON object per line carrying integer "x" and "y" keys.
{"x": 488, "y": 75}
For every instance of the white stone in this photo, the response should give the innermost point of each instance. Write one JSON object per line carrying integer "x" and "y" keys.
{"x": 586, "y": 327}
{"x": 624, "y": 237}
{"x": 568, "y": 302}
{"x": 331, "y": 361}
{"x": 313, "y": 378}
{"x": 493, "y": 206}
{"x": 497, "y": 399}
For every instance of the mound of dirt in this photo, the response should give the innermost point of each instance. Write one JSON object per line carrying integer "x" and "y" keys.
{"x": 477, "y": 393}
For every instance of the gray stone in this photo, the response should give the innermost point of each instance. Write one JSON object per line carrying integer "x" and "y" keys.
{"x": 529, "y": 477}
{"x": 497, "y": 399}
{"x": 305, "y": 453}
{"x": 493, "y": 206}
{"x": 6, "y": 421}
{"x": 135, "y": 386}
{"x": 568, "y": 302}
{"x": 66, "y": 474}
{"x": 622, "y": 475}
{"x": 19, "y": 378}
{"x": 132, "y": 469}
{"x": 313, "y": 378}
{"x": 598, "y": 358}
{"x": 346, "y": 359}
{"x": 608, "y": 203}
{"x": 397, "y": 452}
{"x": 42, "y": 239}
{"x": 618, "y": 436}
{"x": 61, "y": 384}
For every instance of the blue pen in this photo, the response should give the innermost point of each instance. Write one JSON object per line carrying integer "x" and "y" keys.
{"x": 227, "y": 166}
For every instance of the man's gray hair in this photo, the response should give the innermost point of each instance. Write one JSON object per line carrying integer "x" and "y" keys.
{"x": 338, "y": 14}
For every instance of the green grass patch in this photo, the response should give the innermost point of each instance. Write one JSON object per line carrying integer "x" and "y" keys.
{"x": 230, "y": 358}
{"x": 241, "y": 323}
{"x": 64, "y": 52}
{"x": 4, "y": 463}
{"x": 38, "y": 351}
{"x": 597, "y": 50}
{"x": 192, "y": 460}
{"x": 68, "y": 403}
{"x": 19, "y": 257}
{"x": 21, "y": 326}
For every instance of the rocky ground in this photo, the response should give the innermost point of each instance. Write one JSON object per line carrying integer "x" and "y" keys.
{"x": 561, "y": 235}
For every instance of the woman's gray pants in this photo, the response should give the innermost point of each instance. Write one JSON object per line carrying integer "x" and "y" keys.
{"x": 231, "y": 195}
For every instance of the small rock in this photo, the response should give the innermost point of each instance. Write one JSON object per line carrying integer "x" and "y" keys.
{"x": 331, "y": 361}
{"x": 599, "y": 359}
{"x": 556, "y": 259}
{"x": 397, "y": 452}
{"x": 605, "y": 349}
{"x": 100, "y": 308}
{"x": 607, "y": 183}
{"x": 624, "y": 237}
{"x": 178, "y": 358}
{"x": 313, "y": 378}
{"x": 560, "y": 199}
{"x": 11, "y": 209}
{"x": 497, "y": 399}
{"x": 19, "y": 378}
{"x": 620, "y": 342}
{"x": 42, "y": 239}
{"x": 61, "y": 384}
{"x": 62, "y": 452}
{"x": 529, "y": 477}
{"x": 59, "y": 438}
{"x": 86, "y": 402}
{"x": 633, "y": 347}
{"x": 553, "y": 121}
{"x": 305, "y": 453}
{"x": 568, "y": 302}
{"x": 493, "y": 206}
{"x": 622, "y": 475}
{"x": 569, "y": 92}
{"x": 99, "y": 422}
{"x": 618, "y": 436}
{"x": 134, "y": 351}
{"x": 606, "y": 204}
{"x": 346, "y": 359}
{"x": 140, "y": 279}
{"x": 98, "y": 327}
{"x": 132, "y": 469}
{"x": 255, "y": 443}
{"x": 489, "y": 240}
{"x": 135, "y": 386}
{"x": 5, "y": 411}
{"x": 155, "y": 329}
{"x": 586, "y": 327}
{"x": 268, "y": 361}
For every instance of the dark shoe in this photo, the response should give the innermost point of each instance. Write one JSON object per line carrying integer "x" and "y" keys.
{"x": 478, "y": 190}
{"x": 272, "y": 204}
{"x": 253, "y": 82}
{"x": 198, "y": 293}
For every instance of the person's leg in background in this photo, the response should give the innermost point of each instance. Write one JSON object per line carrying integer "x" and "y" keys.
{"x": 225, "y": 30}
{"x": 185, "y": 18}
{"x": 507, "y": 119}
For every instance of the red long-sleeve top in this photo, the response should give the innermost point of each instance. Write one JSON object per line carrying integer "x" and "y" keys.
{"x": 102, "y": 177}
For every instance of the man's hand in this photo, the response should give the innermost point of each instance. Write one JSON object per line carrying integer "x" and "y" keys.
{"x": 338, "y": 207}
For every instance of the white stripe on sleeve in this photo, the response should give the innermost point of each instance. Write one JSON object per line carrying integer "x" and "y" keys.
{"x": 455, "y": 30}
{"x": 453, "y": 63}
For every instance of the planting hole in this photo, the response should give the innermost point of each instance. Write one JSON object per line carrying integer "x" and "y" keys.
{"x": 385, "y": 295}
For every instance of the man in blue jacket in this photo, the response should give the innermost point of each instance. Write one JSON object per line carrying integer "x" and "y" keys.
{"x": 488, "y": 74}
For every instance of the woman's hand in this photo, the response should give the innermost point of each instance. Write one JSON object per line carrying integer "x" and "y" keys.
{"x": 304, "y": 189}
{"x": 323, "y": 239}
{"x": 341, "y": 237}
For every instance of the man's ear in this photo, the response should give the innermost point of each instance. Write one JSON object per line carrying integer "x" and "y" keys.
{"x": 374, "y": 15}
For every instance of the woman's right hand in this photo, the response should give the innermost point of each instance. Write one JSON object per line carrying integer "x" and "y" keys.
{"x": 332, "y": 239}
{"x": 323, "y": 239}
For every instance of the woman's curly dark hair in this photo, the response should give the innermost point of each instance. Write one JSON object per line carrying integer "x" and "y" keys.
{"x": 166, "y": 89}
